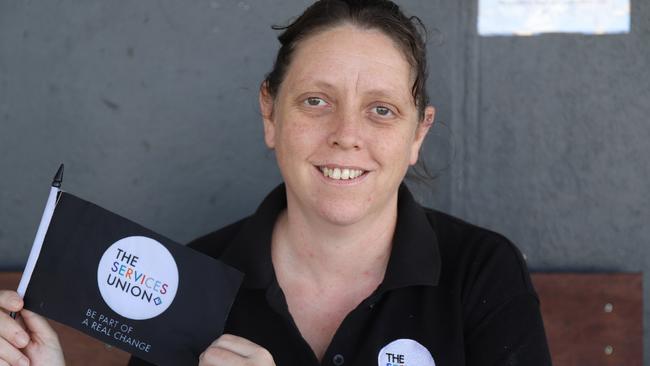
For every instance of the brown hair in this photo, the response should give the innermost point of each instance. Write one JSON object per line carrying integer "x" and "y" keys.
{"x": 383, "y": 15}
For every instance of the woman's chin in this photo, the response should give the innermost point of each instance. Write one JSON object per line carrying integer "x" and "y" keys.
{"x": 341, "y": 214}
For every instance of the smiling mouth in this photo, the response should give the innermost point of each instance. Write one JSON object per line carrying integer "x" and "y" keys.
{"x": 341, "y": 173}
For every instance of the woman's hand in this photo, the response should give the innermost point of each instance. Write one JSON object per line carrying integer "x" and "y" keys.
{"x": 28, "y": 339}
{"x": 230, "y": 350}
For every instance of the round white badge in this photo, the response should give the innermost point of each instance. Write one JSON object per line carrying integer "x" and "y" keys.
{"x": 137, "y": 277}
{"x": 405, "y": 352}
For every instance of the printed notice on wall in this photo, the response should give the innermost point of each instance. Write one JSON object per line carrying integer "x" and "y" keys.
{"x": 530, "y": 17}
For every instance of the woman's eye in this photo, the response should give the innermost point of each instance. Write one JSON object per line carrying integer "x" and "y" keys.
{"x": 382, "y": 111}
{"x": 315, "y": 101}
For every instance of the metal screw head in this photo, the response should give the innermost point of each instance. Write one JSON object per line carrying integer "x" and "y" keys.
{"x": 609, "y": 350}
{"x": 609, "y": 308}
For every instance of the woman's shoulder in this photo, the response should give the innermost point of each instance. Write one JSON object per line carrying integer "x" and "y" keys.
{"x": 479, "y": 256}
{"x": 449, "y": 227}
{"x": 486, "y": 274}
{"x": 214, "y": 243}
{"x": 456, "y": 234}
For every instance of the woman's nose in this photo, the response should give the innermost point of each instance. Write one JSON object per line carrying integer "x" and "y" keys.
{"x": 346, "y": 132}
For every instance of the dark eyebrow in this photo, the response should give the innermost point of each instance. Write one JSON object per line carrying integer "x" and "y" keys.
{"x": 376, "y": 93}
{"x": 382, "y": 93}
{"x": 319, "y": 83}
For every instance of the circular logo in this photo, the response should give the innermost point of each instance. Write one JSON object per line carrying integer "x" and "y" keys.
{"x": 403, "y": 352}
{"x": 137, "y": 277}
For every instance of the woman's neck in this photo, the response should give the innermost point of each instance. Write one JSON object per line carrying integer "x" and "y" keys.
{"x": 326, "y": 253}
{"x": 340, "y": 265}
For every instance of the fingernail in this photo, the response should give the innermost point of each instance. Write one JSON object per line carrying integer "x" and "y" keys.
{"x": 23, "y": 361}
{"x": 22, "y": 340}
{"x": 16, "y": 303}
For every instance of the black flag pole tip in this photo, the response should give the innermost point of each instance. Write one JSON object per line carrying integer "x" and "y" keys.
{"x": 58, "y": 177}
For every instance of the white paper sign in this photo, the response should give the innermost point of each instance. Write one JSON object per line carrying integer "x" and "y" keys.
{"x": 529, "y": 17}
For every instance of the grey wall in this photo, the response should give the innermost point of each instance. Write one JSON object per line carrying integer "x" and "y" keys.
{"x": 152, "y": 106}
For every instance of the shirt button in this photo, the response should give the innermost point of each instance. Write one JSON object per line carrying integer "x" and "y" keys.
{"x": 338, "y": 360}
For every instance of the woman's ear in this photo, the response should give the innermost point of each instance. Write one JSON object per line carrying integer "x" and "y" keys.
{"x": 266, "y": 107}
{"x": 421, "y": 132}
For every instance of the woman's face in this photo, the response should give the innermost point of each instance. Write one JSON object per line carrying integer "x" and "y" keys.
{"x": 344, "y": 125}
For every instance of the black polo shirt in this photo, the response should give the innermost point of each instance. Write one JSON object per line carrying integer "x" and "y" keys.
{"x": 453, "y": 294}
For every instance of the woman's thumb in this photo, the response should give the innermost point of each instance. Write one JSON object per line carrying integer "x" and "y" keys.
{"x": 38, "y": 326}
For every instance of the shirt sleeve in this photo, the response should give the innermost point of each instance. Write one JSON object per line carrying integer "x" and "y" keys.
{"x": 513, "y": 334}
{"x": 503, "y": 322}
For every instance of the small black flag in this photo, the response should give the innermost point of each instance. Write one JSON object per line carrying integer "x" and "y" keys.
{"x": 128, "y": 286}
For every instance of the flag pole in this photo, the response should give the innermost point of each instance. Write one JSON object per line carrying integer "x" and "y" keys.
{"x": 40, "y": 233}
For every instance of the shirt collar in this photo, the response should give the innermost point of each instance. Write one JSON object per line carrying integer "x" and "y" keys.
{"x": 414, "y": 259}
{"x": 250, "y": 250}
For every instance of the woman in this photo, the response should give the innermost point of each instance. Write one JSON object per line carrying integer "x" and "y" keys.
{"x": 342, "y": 265}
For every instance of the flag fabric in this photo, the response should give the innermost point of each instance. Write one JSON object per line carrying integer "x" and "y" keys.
{"x": 129, "y": 286}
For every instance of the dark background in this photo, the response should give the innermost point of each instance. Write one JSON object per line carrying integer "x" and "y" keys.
{"x": 152, "y": 105}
